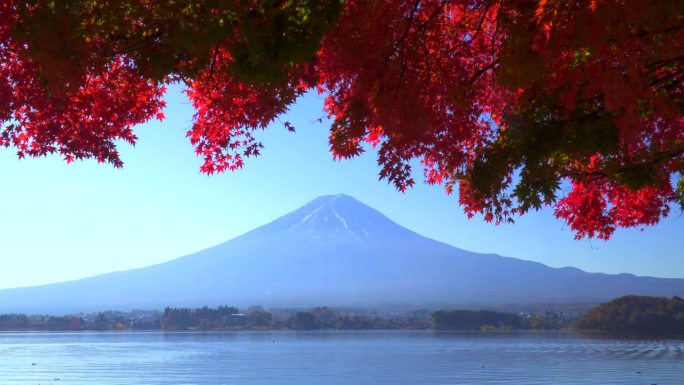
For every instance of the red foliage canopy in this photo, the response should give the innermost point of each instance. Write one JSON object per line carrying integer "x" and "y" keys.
{"x": 507, "y": 100}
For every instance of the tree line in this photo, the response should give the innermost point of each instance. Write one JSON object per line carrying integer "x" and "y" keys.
{"x": 635, "y": 313}
{"x": 108, "y": 320}
{"x": 257, "y": 318}
{"x": 632, "y": 313}
{"x": 318, "y": 318}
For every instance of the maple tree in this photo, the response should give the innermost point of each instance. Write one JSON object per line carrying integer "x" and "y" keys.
{"x": 515, "y": 104}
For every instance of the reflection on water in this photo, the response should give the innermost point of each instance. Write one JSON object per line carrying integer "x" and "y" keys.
{"x": 395, "y": 357}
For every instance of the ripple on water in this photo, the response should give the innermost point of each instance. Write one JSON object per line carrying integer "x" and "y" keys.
{"x": 337, "y": 358}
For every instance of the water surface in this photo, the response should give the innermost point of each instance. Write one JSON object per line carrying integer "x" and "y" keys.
{"x": 384, "y": 357}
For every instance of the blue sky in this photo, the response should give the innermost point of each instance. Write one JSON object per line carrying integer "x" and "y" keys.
{"x": 60, "y": 222}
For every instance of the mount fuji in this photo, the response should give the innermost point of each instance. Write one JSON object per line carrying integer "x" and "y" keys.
{"x": 333, "y": 251}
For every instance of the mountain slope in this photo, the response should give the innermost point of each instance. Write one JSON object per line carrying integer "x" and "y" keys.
{"x": 336, "y": 251}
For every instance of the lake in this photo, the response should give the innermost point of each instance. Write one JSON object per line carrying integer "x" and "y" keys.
{"x": 373, "y": 357}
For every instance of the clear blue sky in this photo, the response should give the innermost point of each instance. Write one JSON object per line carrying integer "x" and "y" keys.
{"x": 60, "y": 222}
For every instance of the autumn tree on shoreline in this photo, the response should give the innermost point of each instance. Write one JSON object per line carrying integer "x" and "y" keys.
{"x": 502, "y": 101}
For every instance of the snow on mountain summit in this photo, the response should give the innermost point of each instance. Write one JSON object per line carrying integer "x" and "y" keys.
{"x": 339, "y": 217}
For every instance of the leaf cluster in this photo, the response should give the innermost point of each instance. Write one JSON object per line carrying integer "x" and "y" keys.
{"x": 172, "y": 39}
{"x": 514, "y": 105}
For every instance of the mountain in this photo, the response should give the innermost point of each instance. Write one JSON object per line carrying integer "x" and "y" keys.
{"x": 334, "y": 251}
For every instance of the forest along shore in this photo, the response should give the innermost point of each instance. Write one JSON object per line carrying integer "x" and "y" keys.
{"x": 258, "y": 318}
{"x": 636, "y": 314}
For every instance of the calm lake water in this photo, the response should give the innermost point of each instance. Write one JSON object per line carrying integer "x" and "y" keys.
{"x": 389, "y": 357}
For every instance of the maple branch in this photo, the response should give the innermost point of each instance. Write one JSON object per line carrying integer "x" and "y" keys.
{"x": 659, "y": 157}
{"x": 432, "y": 16}
{"x": 663, "y": 62}
{"x": 482, "y": 70}
{"x": 139, "y": 44}
{"x": 210, "y": 77}
{"x": 663, "y": 79}
{"x": 658, "y": 32}
{"x": 183, "y": 78}
{"x": 400, "y": 43}
{"x": 479, "y": 24}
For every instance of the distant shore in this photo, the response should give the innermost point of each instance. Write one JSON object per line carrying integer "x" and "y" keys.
{"x": 640, "y": 315}
{"x": 228, "y": 318}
